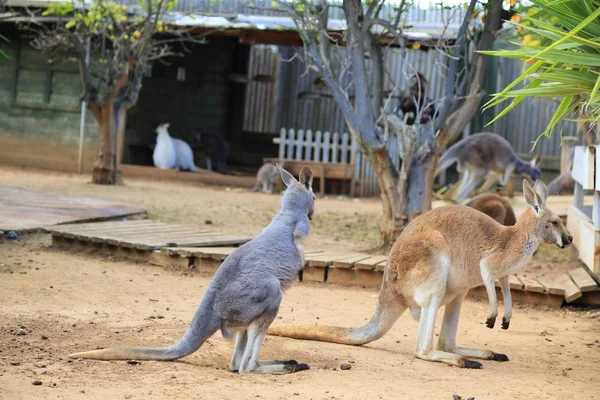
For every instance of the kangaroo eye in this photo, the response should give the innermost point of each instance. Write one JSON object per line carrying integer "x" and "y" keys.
{"x": 554, "y": 222}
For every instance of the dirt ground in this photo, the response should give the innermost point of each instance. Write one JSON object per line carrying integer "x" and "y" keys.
{"x": 53, "y": 303}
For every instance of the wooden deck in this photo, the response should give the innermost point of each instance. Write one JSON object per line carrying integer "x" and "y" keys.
{"x": 576, "y": 286}
{"x": 142, "y": 235}
{"x": 25, "y": 210}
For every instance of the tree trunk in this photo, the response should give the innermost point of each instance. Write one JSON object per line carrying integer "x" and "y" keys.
{"x": 105, "y": 169}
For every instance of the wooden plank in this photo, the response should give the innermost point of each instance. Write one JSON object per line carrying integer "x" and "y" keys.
{"x": 166, "y": 260}
{"x": 522, "y": 296}
{"x": 96, "y": 225}
{"x": 214, "y": 251}
{"x": 589, "y": 299}
{"x": 324, "y": 260}
{"x": 212, "y": 241}
{"x": 217, "y": 253}
{"x": 573, "y": 217}
{"x": 353, "y": 276}
{"x": 313, "y": 274}
{"x": 572, "y": 292}
{"x": 583, "y": 166}
{"x": 597, "y": 162}
{"x": 381, "y": 266}
{"x": 583, "y": 280}
{"x": 370, "y": 263}
{"x": 596, "y": 207}
{"x": 589, "y": 245}
{"x": 350, "y": 261}
{"x": 531, "y": 285}
{"x": 515, "y": 282}
{"x": 319, "y": 169}
{"x": 174, "y": 237}
{"x": 551, "y": 286}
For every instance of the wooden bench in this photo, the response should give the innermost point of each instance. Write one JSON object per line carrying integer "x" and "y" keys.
{"x": 321, "y": 170}
{"x": 329, "y": 156}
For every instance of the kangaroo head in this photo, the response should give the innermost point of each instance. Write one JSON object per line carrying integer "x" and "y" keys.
{"x": 532, "y": 168}
{"x": 299, "y": 195}
{"x": 548, "y": 226}
{"x": 162, "y": 128}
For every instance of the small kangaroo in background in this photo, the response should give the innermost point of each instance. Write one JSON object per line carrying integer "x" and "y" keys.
{"x": 437, "y": 258}
{"x": 495, "y": 206}
{"x": 244, "y": 296}
{"x": 266, "y": 178}
{"x": 484, "y": 156}
{"x": 172, "y": 153}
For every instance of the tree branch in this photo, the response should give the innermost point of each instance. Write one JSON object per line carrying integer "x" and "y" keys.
{"x": 450, "y": 79}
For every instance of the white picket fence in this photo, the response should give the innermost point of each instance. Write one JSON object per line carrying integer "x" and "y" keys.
{"x": 333, "y": 148}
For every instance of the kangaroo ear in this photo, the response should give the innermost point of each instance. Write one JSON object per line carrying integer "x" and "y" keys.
{"x": 532, "y": 198}
{"x": 535, "y": 161}
{"x": 306, "y": 178}
{"x": 288, "y": 179}
{"x": 541, "y": 189}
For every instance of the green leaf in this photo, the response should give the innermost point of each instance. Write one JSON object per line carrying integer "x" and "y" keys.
{"x": 560, "y": 56}
{"x": 579, "y": 27}
{"x": 521, "y": 78}
{"x": 595, "y": 88}
{"x": 561, "y": 112}
{"x": 556, "y": 90}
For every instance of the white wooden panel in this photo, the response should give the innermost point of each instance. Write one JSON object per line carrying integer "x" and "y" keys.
{"x": 589, "y": 245}
{"x": 583, "y": 166}
{"x": 597, "y": 168}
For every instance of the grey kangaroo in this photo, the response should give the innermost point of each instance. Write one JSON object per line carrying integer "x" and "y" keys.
{"x": 243, "y": 298}
{"x": 484, "y": 156}
{"x": 266, "y": 178}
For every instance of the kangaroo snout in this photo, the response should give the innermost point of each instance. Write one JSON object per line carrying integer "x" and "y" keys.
{"x": 567, "y": 240}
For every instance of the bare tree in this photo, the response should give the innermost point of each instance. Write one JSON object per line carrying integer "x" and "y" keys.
{"x": 405, "y": 192}
{"x": 114, "y": 46}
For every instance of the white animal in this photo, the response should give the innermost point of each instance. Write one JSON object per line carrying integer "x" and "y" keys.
{"x": 172, "y": 153}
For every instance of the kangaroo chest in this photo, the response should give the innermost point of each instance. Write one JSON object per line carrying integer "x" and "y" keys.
{"x": 512, "y": 265}
{"x": 299, "y": 243}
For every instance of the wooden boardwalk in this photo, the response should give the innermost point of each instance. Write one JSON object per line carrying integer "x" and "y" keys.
{"x": 142, "y": 235}
{"x": 23, "y": 210}
{"x": 576, "y": 286}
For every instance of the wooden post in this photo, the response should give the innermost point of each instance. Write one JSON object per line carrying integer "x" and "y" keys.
{"x": 568, "y": 144}
{"x": 82, "y": 120}
{"x": 596, "y": 209}
{"x": 578, "y": 195}
{"x": 322, "y": 181}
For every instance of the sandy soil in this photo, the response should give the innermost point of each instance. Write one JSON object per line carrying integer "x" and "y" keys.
{"x": 53, "y": 303}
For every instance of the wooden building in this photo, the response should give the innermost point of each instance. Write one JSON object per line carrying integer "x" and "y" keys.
{"x": 236, "y": 86}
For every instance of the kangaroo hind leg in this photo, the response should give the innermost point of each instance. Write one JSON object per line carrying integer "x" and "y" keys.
{"x": 429, "y": 295}
{"x": 257, "y": 331}
{"x": 447, "y": 341}
{"x": 241, "y": 341}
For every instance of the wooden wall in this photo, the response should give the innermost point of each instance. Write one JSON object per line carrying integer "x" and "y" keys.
{"x": 40, "y": 110}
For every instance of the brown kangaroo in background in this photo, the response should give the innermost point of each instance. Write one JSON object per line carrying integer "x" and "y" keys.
{"x": 494, "y": 205}
{"x": 438, "y": 257}
{"x": 484, "y": 157}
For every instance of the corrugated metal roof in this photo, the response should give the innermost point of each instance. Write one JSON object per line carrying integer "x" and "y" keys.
{"x": 417, "y": 31}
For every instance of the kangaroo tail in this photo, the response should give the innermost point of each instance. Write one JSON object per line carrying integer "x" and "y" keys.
{"x": 195, "y": 168}
{"x": 203, "y": 326}
{"x": 449, "y": 157}
{"x": 387, "y": 313}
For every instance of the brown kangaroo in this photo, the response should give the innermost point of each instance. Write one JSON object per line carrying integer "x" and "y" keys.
{"x": 438, "y": 257}
{"x": 494, "y": 205}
